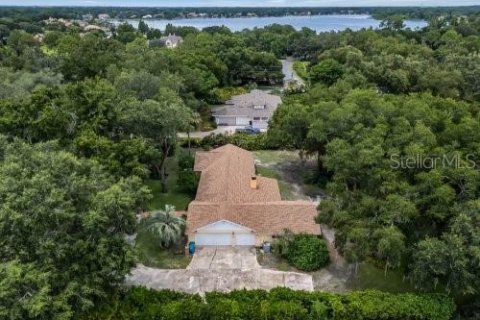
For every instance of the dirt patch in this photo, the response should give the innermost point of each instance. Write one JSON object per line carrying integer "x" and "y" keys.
{"x": 291, "y": 170}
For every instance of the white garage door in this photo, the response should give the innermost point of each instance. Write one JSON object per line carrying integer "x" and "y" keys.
{"x": 224, "y": 233}
{"x": 244, "y": 239}
{"x": 213, "y": 239}
{"x": 243, "y": 121}
{"x": 225, "y": 121}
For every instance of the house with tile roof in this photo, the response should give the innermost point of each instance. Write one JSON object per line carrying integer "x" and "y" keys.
{"x": 234, "y": 206}
{"x": 254, "y": 109}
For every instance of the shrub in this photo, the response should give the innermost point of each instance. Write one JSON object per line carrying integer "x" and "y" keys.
{"x": 283, "y": 310}
{"x": 141, "y": 297}
{"x": 194, "y": 142}
{"x": 278, "y": 304}
{"x": 187, "y": 178}
{"x": 250, "y": 142}
{"x": 304, "y": 251}
{"x": 222, "y": 95}
{"x": 249, "y": 296}
{"x": 214, "y": 141}
{"x": 186, "y": 161}
{"x": 183, "y": 310}
{"x": 224, "y": 309}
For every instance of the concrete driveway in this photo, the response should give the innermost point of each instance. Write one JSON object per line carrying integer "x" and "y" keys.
{"x": 219, "y": 269}
{"x": 219, "y": 258}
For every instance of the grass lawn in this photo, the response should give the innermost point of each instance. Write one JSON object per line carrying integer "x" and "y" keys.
{"x": 174, "y": 196}
{"x": 147, "y": 248}
{"x": 152, "y": 255}
{"x": 286, "y": 189}
{"x": 371, "y": 277}
{"x": 274, "y": 156}
{"x": 289, "y": 170}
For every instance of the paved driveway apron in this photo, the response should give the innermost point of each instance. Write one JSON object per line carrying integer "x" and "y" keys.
{"x": 219, "y": 269}
{"x": 224, "y": 258}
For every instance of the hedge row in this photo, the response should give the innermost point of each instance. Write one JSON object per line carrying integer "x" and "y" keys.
{"x": 250, "y": 142}
{"x": 278, "y": 304}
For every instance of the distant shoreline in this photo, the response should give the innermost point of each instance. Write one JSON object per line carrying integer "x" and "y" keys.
{"x": 318, "y": 23}
{"x": 253, "y": 17}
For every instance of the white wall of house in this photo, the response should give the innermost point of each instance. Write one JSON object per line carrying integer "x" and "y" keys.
{"x": 242, "y": 121}
{"x": 260, "y": 123}
{"x": 225, "y": 121}
{"x": 232, "y": 120}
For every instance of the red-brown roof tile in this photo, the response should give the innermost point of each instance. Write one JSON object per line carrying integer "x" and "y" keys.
{"x": 224, "y": 193}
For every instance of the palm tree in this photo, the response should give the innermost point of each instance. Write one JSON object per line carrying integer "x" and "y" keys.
{"x": 192, "y": 125}
{"x": 165, "y": 225}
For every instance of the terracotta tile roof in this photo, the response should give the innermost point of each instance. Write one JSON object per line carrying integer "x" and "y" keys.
{"x": 181, "y": 213}
{"x": 263, "y": 217}
{"x": 224, "y": 192}
{"x": 226, "y": 174}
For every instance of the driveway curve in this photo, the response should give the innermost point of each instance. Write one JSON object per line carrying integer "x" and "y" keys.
{"x": 219, "y": 269}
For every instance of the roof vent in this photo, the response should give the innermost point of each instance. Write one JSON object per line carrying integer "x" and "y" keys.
{"x": 253, "y": 183}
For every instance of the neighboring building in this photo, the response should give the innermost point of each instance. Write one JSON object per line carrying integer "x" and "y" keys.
{"x": 171, "y": 41}
{"x": 39, "y": 37}
{"x": 235, "y": 207}
{"x": 103, "y": 16}
{"x": 82, "y": 24}
{"x": 61, "y": 21}
{"x": 87, "y": 17}
{"x": 92, "y": 27}
{"x": 255, "y": 109}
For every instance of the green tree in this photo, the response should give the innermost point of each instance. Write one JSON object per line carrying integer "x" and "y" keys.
{"x": 88, "y": 56}
{"x": 143, "y": 27}
{"x": 126, "y": 33}
{"x": 159, "y": 122}
{"x": 390, "y": 246}
{"x": 166, "y": 226}
{"x": 396, "y": 22}
{"x": 63, "y": 222}
{"x": 327, "y": 71}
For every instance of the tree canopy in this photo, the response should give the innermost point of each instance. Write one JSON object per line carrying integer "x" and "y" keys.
{"x": 63, "y": 222}
{"x": 391, "y": 116}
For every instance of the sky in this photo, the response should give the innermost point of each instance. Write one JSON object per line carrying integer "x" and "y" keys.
{"x": 239, "y": 3}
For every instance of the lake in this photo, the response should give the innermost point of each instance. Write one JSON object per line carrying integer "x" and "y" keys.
{"x": 319, "y": 23}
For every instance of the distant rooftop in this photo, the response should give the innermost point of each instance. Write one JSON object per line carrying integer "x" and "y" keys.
{"x": 257, "y": 103}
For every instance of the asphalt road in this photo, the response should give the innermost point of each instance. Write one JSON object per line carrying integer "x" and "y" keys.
{"x": 290, "y": 74}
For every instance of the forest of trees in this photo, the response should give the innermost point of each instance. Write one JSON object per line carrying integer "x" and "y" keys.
{"x": 393, "y": 119}
{"x": 37, "y": 13}
{"x": 85, "y": 119}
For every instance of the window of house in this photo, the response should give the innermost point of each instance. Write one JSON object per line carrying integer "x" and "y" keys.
{"x": 256, "y": 118}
